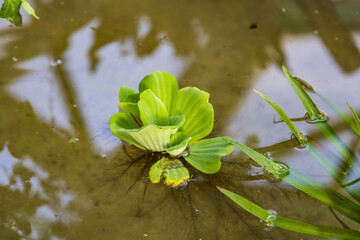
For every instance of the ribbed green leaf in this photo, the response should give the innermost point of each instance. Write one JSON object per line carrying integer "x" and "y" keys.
{"x": 172, "y": 172}
{"x": 127, "y": 94}
{"x": 10, "y": 10}
{"x": 308, "y": 103}
{"x": 177, "y": 120}
{"x": 128, "y": 107}
{"x": 304, "y": 183}
{"x": 152, "y": 110}
{"x": 120, "y": 124}
{"x": 164, "y": 86}
{"x": 153, "y": 138}
{"x": 155, "y": 172}
{"x": 199, "y": 113}
{"x": 178, "y": 143}
{"x": 327, "y": 232}
{"x": 299, "y": 136}
{"x": 205, "y": 155}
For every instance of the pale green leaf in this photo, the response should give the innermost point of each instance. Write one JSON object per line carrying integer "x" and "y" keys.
{"x": 120, "y": 124}
{"x": 152, "y": 137}
{"x": 152, "y": 110}
{"x": 205, "y": 155}
{"x": 129, "y": 107}
{"x": 178, "y": 143}
{"x": 27, "y": 7}
{"x": 164, "y": 86}
{"x": 199, "y": 113}
{"x": 156, "y": 172}
{"x": 177, "y": 120}
{"x": 10, "y": 10}
{"x": 127, "y": 94}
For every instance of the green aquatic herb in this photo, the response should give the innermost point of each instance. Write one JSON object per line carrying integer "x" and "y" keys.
{"x": 10, "y": 10}
{"x": 163, "y": 118}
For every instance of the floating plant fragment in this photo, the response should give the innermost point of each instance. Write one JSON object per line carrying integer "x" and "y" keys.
{"x": 162, "y": 118}
{"x": 10, "y": 10}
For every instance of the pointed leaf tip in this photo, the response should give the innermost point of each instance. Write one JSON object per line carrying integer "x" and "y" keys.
{"x": 219, "y": 188}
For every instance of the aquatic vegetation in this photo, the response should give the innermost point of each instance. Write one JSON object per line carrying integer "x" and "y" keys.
{"x": 163, "y": 119}
{"x": 170, "y": 123}
{"x": 10, "y": 10}
{"x": 346, "y": 174}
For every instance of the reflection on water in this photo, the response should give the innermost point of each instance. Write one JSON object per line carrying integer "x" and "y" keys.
{"x": 60, "y": 78}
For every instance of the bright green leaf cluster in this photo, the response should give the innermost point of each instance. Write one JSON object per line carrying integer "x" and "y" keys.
{"x": 11, "y": 11}
{"x": 172, "y": 172}
{"x": 162, "y": 118}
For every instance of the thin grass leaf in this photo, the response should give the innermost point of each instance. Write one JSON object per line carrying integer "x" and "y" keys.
{"x": 304, "y": 183}
{"x": 340, "y": 113}
{"x": 299, "y": 136}
{"x": 353, "y": 190}
{"x": 348, "y": 156}
{"x": 326, "y": 232}
{"x": 356, "y": 117}
{"x": 310, "y": 106}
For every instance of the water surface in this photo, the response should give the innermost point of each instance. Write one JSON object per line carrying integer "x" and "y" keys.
{"x": 59, "y": 81}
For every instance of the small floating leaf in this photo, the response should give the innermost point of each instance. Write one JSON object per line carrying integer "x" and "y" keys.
{"x": 172, "y": 172}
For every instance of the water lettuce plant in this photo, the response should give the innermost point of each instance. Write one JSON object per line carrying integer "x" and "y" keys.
{"x": 10, "y": 10}
{"x": 164, "y": 119}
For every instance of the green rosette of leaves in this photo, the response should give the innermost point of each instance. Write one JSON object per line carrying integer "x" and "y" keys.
{"x": 162, "y": 118}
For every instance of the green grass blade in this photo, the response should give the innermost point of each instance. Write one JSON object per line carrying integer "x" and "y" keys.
{"x": 310, "y": 106}
{"x": 348, "y": 156}
{"x": 299, "y": 136}
{"x": 302, "y": 182}
{"x": 340, "y": 113}
{"x": 356, "y": 117}
{"x": 352, "y": 189}
{"x": 326, "y": 232}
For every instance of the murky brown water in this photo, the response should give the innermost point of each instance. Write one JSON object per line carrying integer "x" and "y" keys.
{"x": 59, "y": 79}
